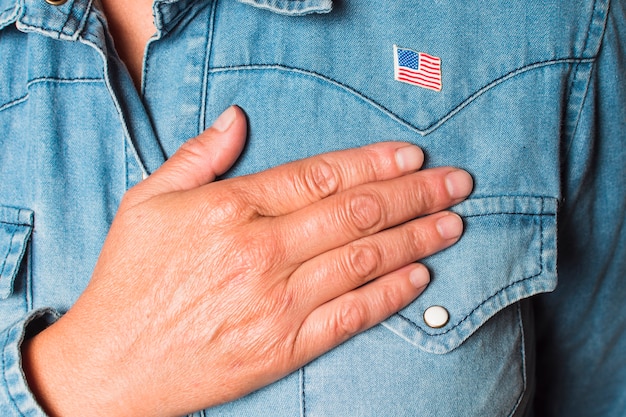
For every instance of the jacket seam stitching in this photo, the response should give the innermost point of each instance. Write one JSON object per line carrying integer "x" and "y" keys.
{"x": 81, "y": 25}
{"x": 4, "y": 261}
{"x": 44, "y": 80}
{"x": 571, "y": 134}
{"x": 14, "y": 102}
{"x": 65, "y": 24}
{"x": 11, "y": 18}
{"x": 7, "y": 9}
{"x": 4, "y": 376}
{"x": 522, "y": 352}
{"x": 126, "y": 129}
{"x": 302, "y": 392}
{"x": 429, "y": 129}
{"x": 475, "y": 308}
{"x": 207, "y": 66}
{"x": 63, "y": 80}
{"x": 18, "y": 223}
{"x": 541, "y": 266}
{"x": 496, "y": 213}
{"x": 28, "y": 279}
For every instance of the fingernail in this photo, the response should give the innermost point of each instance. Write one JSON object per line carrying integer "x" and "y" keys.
{"x": 419, "y": 276}
{"x": 409, "y": 158}
{"x": 450, "y": 226}
{"x": 225, "y": 120}
{"x": 459, "y": 184}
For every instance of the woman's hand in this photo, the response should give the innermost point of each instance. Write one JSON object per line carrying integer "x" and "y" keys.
{"x": 206, "y": 291}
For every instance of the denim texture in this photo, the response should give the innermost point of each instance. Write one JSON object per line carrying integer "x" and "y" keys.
{"x": 533, "y": 105}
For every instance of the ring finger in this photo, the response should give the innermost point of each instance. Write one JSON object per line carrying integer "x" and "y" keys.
{"x": 343, "y": 269}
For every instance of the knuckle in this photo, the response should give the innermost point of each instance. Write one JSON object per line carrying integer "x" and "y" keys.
{"x": 362, "y": 261}
{"x": 391, "y": 298}
{"x": 419, "y": 240}
{"x": 226, "y": 204}
{"x": 228, "y": 208}
{"x": 425, "y": 194}
{"x": 320, "y": 179}
{"x": 365, "y": 212}
{"x": 377, "y": 163}
{"x": 262, "y": 253}
{"x": 190, "y": 149}
{"x": 349, "y": 319}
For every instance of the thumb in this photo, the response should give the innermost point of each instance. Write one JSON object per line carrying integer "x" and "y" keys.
{"x": 201, "y": 159}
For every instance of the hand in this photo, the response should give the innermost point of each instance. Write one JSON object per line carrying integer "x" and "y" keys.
{"x": 206, "y": 291}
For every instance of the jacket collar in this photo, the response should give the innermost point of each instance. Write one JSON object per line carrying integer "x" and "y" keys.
{"x": 64, "y": 21}
{"x": 67, "y": 20}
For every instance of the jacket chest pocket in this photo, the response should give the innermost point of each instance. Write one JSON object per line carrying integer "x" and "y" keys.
{"x": 16, "y": 226}
{"x": 508, "y": 253}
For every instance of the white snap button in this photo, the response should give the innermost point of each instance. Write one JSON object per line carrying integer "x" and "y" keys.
{"x": 436, "y": 317}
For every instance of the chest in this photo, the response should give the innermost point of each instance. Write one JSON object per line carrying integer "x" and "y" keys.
{"x": 131, "y": 25}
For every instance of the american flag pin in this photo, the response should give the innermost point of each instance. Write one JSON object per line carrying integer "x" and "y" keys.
{"x": 417, "y": 68}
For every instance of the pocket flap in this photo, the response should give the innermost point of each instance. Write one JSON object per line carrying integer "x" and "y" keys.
{"x": 507, "y": 253}
{"x": 15, "y": 229}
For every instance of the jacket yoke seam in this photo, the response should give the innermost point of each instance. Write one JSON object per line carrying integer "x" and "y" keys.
{"x": 422, "y": 131}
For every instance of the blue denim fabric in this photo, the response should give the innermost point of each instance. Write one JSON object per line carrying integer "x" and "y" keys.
{"x": 533, "y": 104}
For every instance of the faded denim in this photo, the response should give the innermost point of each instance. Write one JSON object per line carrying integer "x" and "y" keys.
{"x": 533, "y": 105}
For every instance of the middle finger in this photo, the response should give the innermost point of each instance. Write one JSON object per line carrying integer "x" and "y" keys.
{"x": 368, "y": 209}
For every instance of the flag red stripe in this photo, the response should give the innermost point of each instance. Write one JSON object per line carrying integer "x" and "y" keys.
{"x": 419, "y": 81}
{"x": 417, "y": 75}
{"x": 430, "y": 67}
{"x": 416, "y": 72}
{"x": 429, "y": 86}
{"x": 429, "y": 63}
{"x": 429, "y": 71}
{"x": 434, "y": 58}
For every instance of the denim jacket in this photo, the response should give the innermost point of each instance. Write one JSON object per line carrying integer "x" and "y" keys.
{"x": 532, "y": 103}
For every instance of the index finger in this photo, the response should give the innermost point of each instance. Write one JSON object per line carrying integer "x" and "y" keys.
{"x": 290, "y": 187}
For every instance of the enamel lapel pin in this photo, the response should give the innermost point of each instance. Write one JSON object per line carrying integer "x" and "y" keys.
{"x": 417, "y": 68}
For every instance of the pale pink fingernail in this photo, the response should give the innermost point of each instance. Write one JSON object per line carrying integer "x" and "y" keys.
{"x": 409, "y": 158}
{"x": 225, "y": 120}
{"x": 419, "y": 276}
{"x": 459, "y": 184}
{"x": 450, "y": 226}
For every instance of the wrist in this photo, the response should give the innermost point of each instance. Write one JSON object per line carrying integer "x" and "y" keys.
{"x": 66, "y": 377}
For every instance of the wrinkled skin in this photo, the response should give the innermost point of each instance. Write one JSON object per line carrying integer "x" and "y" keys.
{"x": 206, "y": 291}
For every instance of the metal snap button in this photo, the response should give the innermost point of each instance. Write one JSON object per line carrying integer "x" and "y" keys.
{"x": 436, "y": 317}
{"x": 56, "y": 2}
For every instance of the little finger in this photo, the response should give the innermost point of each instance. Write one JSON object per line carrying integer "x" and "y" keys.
{"x": 340, "y": 319}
